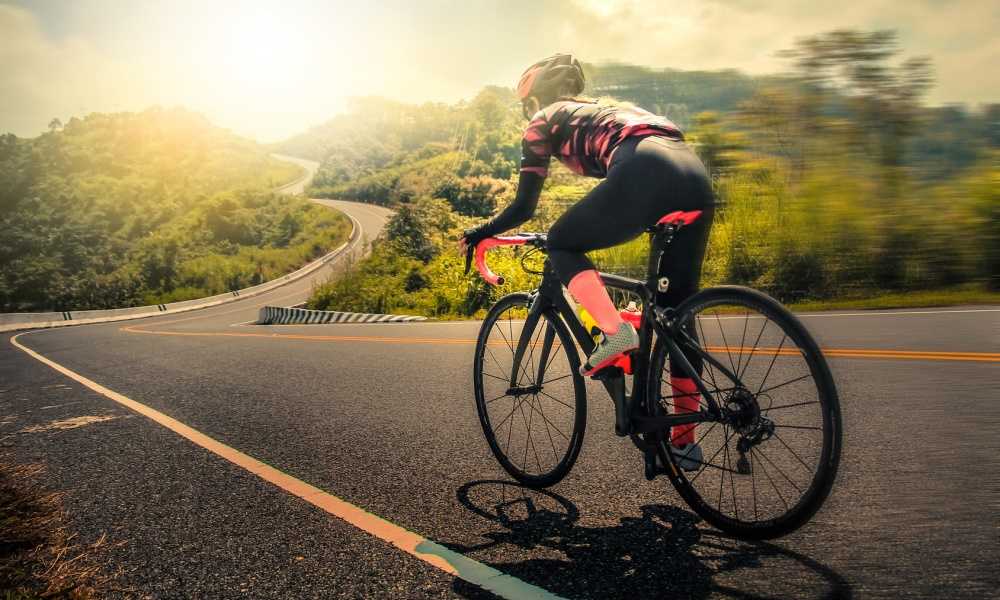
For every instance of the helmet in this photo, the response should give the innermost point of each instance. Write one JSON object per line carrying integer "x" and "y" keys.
{"x": 547, "y": 78}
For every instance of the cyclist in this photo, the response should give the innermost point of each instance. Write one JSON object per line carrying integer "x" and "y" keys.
{"x": 647, "y": 171}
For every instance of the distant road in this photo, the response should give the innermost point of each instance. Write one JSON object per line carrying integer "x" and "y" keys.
{"x": 299, "y": 185}
{"x": 381, "y": 416}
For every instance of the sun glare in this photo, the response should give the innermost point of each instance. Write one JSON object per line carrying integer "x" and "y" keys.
{"x": 260, "y": 52}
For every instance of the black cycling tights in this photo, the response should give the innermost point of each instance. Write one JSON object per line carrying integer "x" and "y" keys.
{"x": 648, "y": 178}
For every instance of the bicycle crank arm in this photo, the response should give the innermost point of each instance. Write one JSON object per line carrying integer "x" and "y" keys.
{"x": 613, "y": 379}
{"x": 643, "y": 424}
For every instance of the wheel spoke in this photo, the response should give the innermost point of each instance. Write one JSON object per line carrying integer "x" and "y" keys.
{"x": 768, "y": 475}
{"x": 556, "y": 379}
{"x": 753, "y": 486}
{"x": 787, "y": 447}
{"x": 531, "y": 440}
{"x": 732, "y": 486}
{"x": 487, "y": 348}
{"x": 725, "y": 341}
{"x": 790, "y": 381}
{"x": 507, "y": 341}
{"x": 770, "y": 408}
{"x": 771, "y": 366}
{"x": 524, "y": 419}
{"x": 722, "y": 477}
{"x": 495, "y": 377}
{"x": 710, "y": 463}
{"x": 499, "y": 397}
{"x": 556, "y": 399}
{"x": 743, "y": 340}
{"x": 753, "y": 350}
{"x": 548, "y": 432}
{"x": 705, "y": 363}
{"x": 559, "y": 431}
{"x": 777, "y": 468}
{"x": 509, "y": 415}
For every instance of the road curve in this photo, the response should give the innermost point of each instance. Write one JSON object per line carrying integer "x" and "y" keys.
{"x": 381, "y": 416}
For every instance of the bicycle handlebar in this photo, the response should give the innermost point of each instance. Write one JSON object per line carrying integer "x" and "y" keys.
{"x": 485, "y": 245}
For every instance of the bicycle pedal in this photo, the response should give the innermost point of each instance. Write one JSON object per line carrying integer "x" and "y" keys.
{"x": 651, "y": 467}
{"x": 608, "y": 373}
{"x": 650, "y": 470}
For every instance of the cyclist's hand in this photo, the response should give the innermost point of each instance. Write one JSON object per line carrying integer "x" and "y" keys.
{"x": 470, "y": 239}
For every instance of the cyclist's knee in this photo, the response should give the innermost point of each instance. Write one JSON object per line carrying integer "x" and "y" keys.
{"x": 568, "y": 264}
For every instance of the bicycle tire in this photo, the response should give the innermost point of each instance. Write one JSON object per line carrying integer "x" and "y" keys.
{"x": 827, "y": 459}
{"x": 563, "y": 461}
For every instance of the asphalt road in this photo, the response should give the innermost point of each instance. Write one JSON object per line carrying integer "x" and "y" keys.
{"x": 382, "y": 416}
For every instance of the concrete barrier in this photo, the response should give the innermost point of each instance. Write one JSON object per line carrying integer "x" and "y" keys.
{"x": 279, "y": 315}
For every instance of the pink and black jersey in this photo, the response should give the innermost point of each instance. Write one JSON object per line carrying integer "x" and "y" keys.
{"x": 584, "y": 135}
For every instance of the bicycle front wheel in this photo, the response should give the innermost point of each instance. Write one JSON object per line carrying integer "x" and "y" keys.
{"x": 534, "y": 415}
{"x": 767, "y": 466}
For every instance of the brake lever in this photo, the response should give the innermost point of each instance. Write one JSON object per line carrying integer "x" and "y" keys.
{"x": 469, "y": 251}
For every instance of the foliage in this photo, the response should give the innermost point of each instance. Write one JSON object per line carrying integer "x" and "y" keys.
{"x": 822, "y": 191}
{"x": 123, "y": 209}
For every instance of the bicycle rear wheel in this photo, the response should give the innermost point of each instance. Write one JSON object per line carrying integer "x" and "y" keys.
{"x": 767, "y": 467}
{"x": 534, "y": 420}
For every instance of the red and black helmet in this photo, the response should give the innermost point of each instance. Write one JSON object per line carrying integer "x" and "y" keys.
{"x": 559, "y": 73}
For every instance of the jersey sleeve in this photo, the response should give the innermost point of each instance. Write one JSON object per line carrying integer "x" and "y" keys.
{"x": 536, "y": 152}
{"x": 536, "y": 146}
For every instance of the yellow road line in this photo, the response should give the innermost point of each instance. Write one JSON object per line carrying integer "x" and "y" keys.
{"x": 416, "y": 545}
{"x": 829, "y": 352}
{"x": 867, "y": 353}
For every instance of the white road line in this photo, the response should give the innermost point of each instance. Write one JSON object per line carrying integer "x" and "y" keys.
{"x": 895, "y": 313}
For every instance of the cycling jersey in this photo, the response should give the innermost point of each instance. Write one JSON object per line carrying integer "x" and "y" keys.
{"x": 582, "y": 135}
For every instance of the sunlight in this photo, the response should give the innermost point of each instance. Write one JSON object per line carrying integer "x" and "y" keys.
{"x": 260, "y": 51}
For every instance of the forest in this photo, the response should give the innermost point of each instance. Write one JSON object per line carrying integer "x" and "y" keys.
{"x": 128, "y": 209}
{"x": 835, "y": 180}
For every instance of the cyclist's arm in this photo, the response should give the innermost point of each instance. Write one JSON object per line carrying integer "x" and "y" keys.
{"x": 536, "y": 151}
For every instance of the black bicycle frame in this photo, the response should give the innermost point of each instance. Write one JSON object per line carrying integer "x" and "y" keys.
{"x": 628, "y": 420}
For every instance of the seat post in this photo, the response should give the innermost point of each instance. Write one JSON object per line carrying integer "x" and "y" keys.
{"x": 659, "y": 238}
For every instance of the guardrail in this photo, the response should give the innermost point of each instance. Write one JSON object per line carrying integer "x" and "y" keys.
{"x": 15, "y": 321}
{"x": 280, "y": 315}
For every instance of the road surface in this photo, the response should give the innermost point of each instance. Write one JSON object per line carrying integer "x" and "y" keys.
{"x": 382, "y": 417}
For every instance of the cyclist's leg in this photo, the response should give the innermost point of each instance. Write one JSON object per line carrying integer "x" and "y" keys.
{"x": 593, "y": 223}
{"x": 612, "y": 213}
{"x": 648, "y": 178}
{"x": 682, "y": 266}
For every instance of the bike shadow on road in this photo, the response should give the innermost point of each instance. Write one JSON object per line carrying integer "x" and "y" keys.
{"x": 662, "y": 554}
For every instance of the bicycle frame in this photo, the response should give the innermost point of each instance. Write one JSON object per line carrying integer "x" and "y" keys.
{"x": 656, "y": 319}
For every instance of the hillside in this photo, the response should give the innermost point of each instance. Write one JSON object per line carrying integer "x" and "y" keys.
{"x": 675, "y": 93}
{"x": 829, "y": 187}
{"x": 125, "y": 209}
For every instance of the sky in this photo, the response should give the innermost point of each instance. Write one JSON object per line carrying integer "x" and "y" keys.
{"x": 268, "y": 70}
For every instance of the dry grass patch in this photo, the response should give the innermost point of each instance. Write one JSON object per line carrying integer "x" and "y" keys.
{"x": 40, "y": 556}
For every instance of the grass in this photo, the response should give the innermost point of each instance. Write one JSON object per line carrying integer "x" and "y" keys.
{"x": 40, "y": 557}
{"x": 915, "y": 299}
{"x": 963, "y": 296}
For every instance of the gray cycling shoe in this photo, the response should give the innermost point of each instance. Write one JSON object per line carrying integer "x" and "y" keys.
{"x": 688, "y": 457}
{"x": 611, "y": 349}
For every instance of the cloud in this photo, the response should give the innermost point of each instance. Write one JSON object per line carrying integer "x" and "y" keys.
{"x": 42, "y": 79}
{"x": 959, "y": 36}
{"x": 63, "y": 59}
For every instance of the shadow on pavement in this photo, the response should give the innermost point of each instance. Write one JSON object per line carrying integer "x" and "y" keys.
{"x": 662, "y": 554}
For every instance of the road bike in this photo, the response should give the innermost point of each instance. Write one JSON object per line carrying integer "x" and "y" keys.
{"x": 768, "y": 418}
